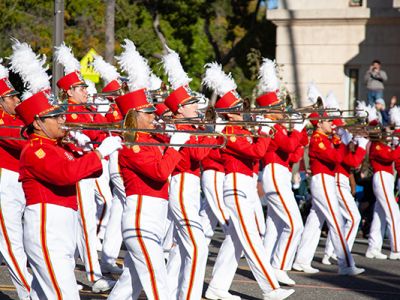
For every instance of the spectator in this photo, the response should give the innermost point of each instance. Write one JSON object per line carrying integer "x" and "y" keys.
{"x": 374, "y": 79}
{"x": 393, "y": 102}
{"x": 383, "y": 114}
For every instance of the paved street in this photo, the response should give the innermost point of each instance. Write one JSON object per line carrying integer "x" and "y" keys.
{"x": 380, "y": 281}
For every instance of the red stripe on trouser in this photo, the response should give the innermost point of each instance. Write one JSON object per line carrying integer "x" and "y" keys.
{"x": 103, "y": 211}
{"x": 46, "y": 252}
{"x": 242, "y": 223}
{"x": 144, "y": 250}
{"x": 287, "y": 213}
{"x": 347, "y": 207}
{"x": 217, "y": 195}
{"x": 191, "y": 236}
{"x": 390, "y": 211}
{"x": 335, "y": 221}
{"x": 9, "y": 249}
{"x": 85, "y": 233}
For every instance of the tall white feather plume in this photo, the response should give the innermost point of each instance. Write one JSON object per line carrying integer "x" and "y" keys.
{"x": 394, "y": 115}
{"x": 267, "y": 75}
{"x": 331, "y": 101}
{"x": 106, "y": 70}
{"x": 177, "y": 76}
{"x": 91, "y": 87}
{"x": 362, "y": 110}
{"x": 217, "y": 80}
{"x": 3, "y": 70}
{"x": 136, "y": 66}
{"x": 155, "y": 82}
{"x": 30, "y": 67}
{"x": 313, "y": 93}
{"x": 65, "y": 57}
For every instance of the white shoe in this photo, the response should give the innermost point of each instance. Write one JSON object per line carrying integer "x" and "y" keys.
{"x": 109, "y": 268}
{"x": 278, "y": 294}
{"x": 334, "y": 256}
{"x": 325, "y": 260}
{"x": 283, "y": 277}
{"x": 216, "y": 294}
{"x": 373, "y": 253}
{"x": 103, "y": 285}
{"x": 351, "y": 271}
{"x": 305, "y": 268}
{"x": 394, "y": 255}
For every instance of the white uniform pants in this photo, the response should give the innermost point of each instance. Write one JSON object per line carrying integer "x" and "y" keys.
{"x": 103, "y": 198}
{"x": 349, "y": 211}
{"x": 87, "y": 238}
{"x": 285, "y": 226}
{"x": 386, "y": 212}
{"x": 143, "y": 228}
{"x": 12, "y": 205}
{"x": 113, "y": 234}
{"x": 50, "y": 243}
{"x": 241, "y": 200}
{"x": 258, "y": 209}
{"x": 325, "y": 207}
{"x": 185, "y": 207}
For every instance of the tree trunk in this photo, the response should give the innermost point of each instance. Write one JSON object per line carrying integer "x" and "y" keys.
{"x": 110, "y": 31}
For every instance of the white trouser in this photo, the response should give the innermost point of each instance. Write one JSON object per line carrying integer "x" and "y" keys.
{"x": 87, "y": 238}
{"x": 113, "y": 234}
{"x": 386, "y": 212}
{"x": 103, "y": 197}
{"x": 349, "y": 211}
{"x": 325, "y": 207}
{"x": 50, "y": 243}
{"x": 284, "y": 223}
{"x": 143, "y": 225}
{"x": 258, "y": 209}
{"x": 185, "y": 207}
{"x": 243, "y": 234}
{"x": 12, "y": 205}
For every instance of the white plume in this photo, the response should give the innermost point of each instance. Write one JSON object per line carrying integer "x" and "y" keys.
{"x": 394, "y": 115}
{"x": 216, "y": 79}
{"x": 91, "y": 87}
{"x": 106, "y": 70}
{"x": 3, "y": 70}
{"x": 267, "y": 75}
{"x": 313, "y": 93}
{"x": 362, "y": 110}
{"x": 331, "y": 101}
{"x": 135, "y": 66}
{"x": 65, "y": 57}
{"x": 155, "y": 82}
{"x": 30, "y": 67}
{"x": 177, "y": 76}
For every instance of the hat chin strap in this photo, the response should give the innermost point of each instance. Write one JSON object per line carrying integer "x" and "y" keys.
{"x": 44, "y": 129}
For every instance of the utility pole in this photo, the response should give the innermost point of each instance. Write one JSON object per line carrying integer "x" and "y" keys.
{"x": 58, "y": 38}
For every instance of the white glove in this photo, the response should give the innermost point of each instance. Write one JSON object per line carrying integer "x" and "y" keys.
{"x": 170, "y": 127}
{"x": 395, "y": 141}
{"x": 341, "y": 131}
{"x": 346, "y": 137}
{"x": 179, "y": 138}
{"x": 220, "y": 125}
{"x": 103, "y": 105}
{"x": 361, "y": 141}
{"x": 81, "y": 140}
{"x": 109, "y": 145}
{"x": 265, "y": 128}
{"x": 300, "y": 126}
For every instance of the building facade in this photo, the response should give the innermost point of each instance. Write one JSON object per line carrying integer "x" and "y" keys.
{"x": 333, "y": 44}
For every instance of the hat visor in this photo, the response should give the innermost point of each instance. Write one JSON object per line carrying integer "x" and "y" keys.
{"x": 191, "y": 101}
{"x": 58, "y": 110}
{"x": 233, "y": 109}
{"x": 81, "y": 83}
{"x": 148, "y": 109}
{"x": 11, "y": 93}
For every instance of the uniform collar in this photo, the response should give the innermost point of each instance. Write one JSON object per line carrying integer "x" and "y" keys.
{"x": 316, "y": 131}
{"x": 42, "y": 139}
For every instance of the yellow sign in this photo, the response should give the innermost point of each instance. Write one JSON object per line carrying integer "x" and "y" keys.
{"x": 87, "y": 69}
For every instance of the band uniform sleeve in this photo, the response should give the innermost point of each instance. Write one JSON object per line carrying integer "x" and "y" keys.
{"x": 354, "y": 159}
{"x": 322, "y": 149}
{"x": 383, "y": 153}
{"x": 285, "y": 142}
{"x": 243, "y": 147}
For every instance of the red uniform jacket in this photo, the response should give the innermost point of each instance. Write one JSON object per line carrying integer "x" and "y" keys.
{"x": 10, "y": 150}
{"x": 351, "y": 160}
{"x": 281, "y": 146}
{"x": 323, "y": 155}
{"x": 191, "y": 156}
{"x": 145, "y": 169}
{"x": 114, "y": 114}
{"x": 213, "y": 161}
{"x": 242, "y": 153}
{"x": 296, "y": 156}
{"x": 382, "y": 157}
{"x": 49, "y": 173}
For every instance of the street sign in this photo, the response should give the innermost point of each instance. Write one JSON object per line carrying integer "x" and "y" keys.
{"x": 87, "y": 69}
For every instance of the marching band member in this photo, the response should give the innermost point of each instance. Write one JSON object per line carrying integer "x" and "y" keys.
{"x": 12, "y": 199}
{"x": 184, "y": 198}
{"x": 348, "y": 206}
{"x": 240, "y": 156}
{"x": 49, "y": 175}
{"x": 281, "y": 203}
{"x": 75, "y": 89}
{"x": 325, "y": 206}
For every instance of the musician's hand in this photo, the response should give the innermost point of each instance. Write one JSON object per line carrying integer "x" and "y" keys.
{"x": 179, "y": 138}
{"x": 220, "y": 125}
{"x": 300, "y": 126}
{"x": 361, "y": 142}
{"x": 102, "y": 105}
{"x": 81, "y": 140}
{"x": 110, "y": 145}
{"x": 346, "y": 137}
